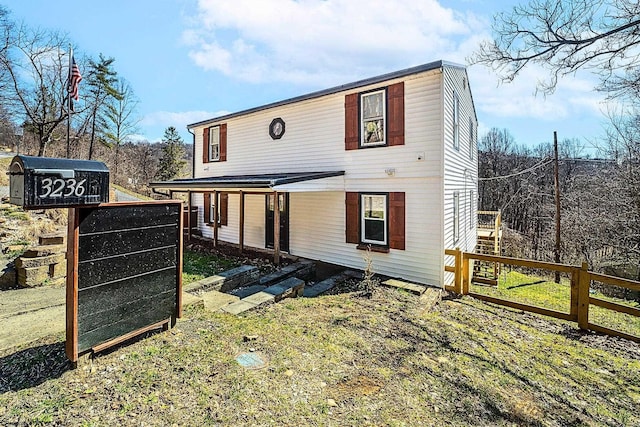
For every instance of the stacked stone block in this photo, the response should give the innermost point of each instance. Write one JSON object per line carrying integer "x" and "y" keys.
{"x": 44, "y": 264}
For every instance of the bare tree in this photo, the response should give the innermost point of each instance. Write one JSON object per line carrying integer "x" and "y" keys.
{"x": 36, "y": 64}
{"x": 564, "y": 36}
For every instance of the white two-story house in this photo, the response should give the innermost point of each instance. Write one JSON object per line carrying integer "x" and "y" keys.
{"x": 388, "y": 163}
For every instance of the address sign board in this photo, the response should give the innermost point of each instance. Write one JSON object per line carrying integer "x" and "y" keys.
{"x": 43, "y": 182}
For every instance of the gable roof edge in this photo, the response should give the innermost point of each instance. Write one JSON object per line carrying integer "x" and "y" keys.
{"x": 330, "y": 91}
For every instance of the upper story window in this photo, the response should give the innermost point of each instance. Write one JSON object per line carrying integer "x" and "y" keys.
{"x": 456, "y": 121}
{"x": 214, "y": 144}
{"x": 373, "y": 113}
{"x": 374, "y": 118}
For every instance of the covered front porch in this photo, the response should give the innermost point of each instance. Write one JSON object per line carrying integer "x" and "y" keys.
{"x": 216, "y": 190}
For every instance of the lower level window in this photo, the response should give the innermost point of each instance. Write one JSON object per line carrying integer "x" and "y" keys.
{"x": 373, "y": 224}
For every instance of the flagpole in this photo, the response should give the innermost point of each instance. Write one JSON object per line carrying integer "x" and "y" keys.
{"x": 69, "y": 103}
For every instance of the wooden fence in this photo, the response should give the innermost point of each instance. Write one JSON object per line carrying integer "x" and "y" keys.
{"x": 580, "y": 301}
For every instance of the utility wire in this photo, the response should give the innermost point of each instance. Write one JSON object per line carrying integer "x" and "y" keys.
{"x": 542, "y": 163}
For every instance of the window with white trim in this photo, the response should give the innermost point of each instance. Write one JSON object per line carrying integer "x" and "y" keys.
{"x": 214, "y": 144}
{"x": 456, "y": 121}
{"x": 456, "y": 216}
{"x": 373, "y": 225}
{"x": 373, "y": 114}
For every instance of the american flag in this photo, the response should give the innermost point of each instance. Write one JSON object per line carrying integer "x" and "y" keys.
{"x": 74, "y": 78}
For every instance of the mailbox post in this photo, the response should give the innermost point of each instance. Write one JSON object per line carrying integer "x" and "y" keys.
{"x": 124, "y": 260}
{"x": 42, "y": 182}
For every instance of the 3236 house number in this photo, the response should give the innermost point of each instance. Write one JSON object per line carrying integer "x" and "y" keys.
{"x": 59, "y": 187}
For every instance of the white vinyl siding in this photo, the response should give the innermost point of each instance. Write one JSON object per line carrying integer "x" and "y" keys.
{"x": 456, "y": 120}
{"x": 418, "y": 172}
{"x": 460, "y": 166}
{"x": 456, "y": 216}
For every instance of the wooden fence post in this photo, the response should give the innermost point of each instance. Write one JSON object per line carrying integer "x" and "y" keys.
{"x": 583, "y": 296}
{"x": 465, "y": 274}
{"x": 575, "y": 286}
{"x": 458, "y": 274}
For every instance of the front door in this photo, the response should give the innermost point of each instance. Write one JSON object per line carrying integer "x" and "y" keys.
{"x": 284, "y": 221}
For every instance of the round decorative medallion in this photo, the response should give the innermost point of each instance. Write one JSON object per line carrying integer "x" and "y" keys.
{"x": 276, "y": 128}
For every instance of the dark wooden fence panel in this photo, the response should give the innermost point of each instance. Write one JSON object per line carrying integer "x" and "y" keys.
{"x": 128, "y": 263}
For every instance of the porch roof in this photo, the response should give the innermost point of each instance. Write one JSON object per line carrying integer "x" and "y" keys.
{"x": 285, "y": 181}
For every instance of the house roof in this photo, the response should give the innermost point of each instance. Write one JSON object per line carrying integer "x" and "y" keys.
{"x": 349, "y": 86}
{"x": 286, "y": 181}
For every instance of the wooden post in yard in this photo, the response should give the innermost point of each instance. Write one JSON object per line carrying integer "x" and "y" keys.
{"x": 276, "y": 228}
{"x": 556, "y": 182}
{"x": 465, "y": 274}
{"x": 189, "y": 225}
{"x": 215, "y": 217}
{"x": 583, "y": 297}
{"x": 241, "y": 231}
{"x": 458, "y": 274}
{"x": 575, "y": 288}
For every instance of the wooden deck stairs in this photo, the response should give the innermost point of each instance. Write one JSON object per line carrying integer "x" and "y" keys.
{"x": 489, "y": 240}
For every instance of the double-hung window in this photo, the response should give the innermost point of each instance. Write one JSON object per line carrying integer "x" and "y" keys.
{"x": 373, "y": 226}
{"x": 374, "y": 118}
{"x": 373, "y": 109}
{"x": 214, "y": 144}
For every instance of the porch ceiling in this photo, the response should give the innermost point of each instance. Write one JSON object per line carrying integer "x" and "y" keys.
{"x": 286, "y": 182}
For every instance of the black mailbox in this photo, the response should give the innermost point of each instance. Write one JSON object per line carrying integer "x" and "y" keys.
{"x": 44, "y": 182}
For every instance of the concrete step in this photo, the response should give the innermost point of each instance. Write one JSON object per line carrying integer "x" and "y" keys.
{"x": 303, "y": 270}
{"x": 290, "y": 287}
{"x": 225, "y": 281}
{"x": 313, "y": 290}
{"x": 407, "y": 286}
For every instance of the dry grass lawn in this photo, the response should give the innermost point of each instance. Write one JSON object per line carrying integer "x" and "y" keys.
{"x": 338, "y": 360}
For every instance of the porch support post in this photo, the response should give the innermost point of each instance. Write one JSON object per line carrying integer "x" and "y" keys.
{"x": 215, "y": 217}
{"x": 276, "y": 228}
{"x": 189, "y": 225}
{"x": 241, "y": 229}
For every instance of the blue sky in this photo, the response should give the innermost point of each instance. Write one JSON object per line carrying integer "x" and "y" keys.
{"x": 189, "y": 60}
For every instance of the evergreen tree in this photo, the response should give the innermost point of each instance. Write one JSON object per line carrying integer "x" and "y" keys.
{"x": 101, "y": 82}
{"x": 119, "y": 120}
{"x": 172, "y": 161}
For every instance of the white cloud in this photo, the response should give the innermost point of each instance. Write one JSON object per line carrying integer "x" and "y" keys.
{"x": 518, "y": 99}
{"x": 322, "y": 42}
